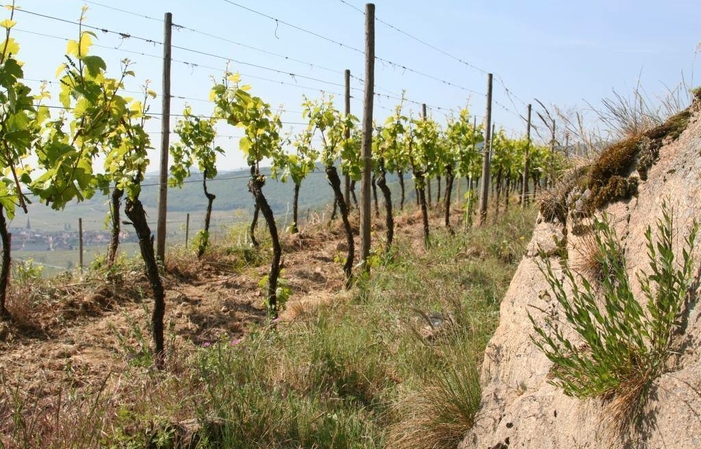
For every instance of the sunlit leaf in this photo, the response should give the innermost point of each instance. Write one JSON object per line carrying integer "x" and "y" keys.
{"x": 245, "y": 145}
{"x": 72, "y": 48}
{"x": 8, "y": 23}
{"x": 10, "y": 47}
{"x": 94, "y": 64}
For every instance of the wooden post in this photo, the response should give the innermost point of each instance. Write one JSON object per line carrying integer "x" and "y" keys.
{"x": 80, "y": 243}
{"x": 484, "y": 188}
{"x": 366, "y": 148}
{"x": 526, "y": 162}
{"x": 347, "y": 180}
{"x": 165, "y": 142}
{"x": 187, "y": 229}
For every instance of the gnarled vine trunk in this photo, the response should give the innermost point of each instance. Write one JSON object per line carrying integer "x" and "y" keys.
{"x": 335, "y": 181}
{"x": 374, "y": 195}
{"x": 389, "y": 219}
{"x": 295, "y": 209}
{"x": 422, "y": 202}
{"x": 427, "y": 191}
{"x": 6, "y": 260}
{"x": 400, "y": 175}
{"x": 497, "y": 191}
{"x": 254, "y": 224}
{"x": 204, "y": 241}
{"x": 449, "y": 178}
{"x": 115, "y": 205}
{"x": 352, "y": 191}
{"x": 255, "y": 185}
{"x": 135, "y": 211}
{"x": 334, "y": 211}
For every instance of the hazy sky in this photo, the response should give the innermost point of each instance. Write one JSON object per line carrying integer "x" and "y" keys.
{"x": 566, "y": 53}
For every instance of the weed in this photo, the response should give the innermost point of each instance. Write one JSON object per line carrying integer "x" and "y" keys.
{"x": 138, "y": 355}
{"x": 441, "y": 413}
{"x": 282, "y": 293}
{"x": 26, "y": 272}
{"x": 594, "y": 256}
{"x": 624, "y": 346}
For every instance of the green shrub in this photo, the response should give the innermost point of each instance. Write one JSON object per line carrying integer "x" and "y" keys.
{"x": 624, "y": 345}
{"x": 26, "y": 272}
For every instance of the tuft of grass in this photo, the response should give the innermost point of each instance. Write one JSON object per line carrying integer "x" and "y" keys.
{"x": 592, "y": 259}
{"x": 439, "y": 414}
{"x": 553, "y": 202}
{"x": 622, "y": 346}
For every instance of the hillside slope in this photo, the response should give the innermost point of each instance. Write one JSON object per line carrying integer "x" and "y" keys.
{"x": 519, "y": 407}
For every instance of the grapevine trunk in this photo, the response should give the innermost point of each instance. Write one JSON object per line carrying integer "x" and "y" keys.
{"x": 295, "y": 209}
{"x": 204, "y": 241}
{"x": 389, "y": 220}
{"x": 449, "y": 178}
{"x": 352, "y": 191}
{"x": 255, "y": 185}
{"x": 135, "y": 211}
{"x": 335, "y": 182}
{"x": 400, "y": 174}
{"x": 6, "y": 260}
{"x": 422, "y": 202}
{"x": 254, "y": 224}
{"x": 374, "y": 195}
{"x": 115, "y": 204}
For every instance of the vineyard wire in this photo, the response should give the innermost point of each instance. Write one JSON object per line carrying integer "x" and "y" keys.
{"x": 191, "y": 64}
{"x": 445, "y": 110}
{"x": 378, "y": 58}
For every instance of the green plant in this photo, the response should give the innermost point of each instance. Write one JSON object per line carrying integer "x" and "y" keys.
{"x": 623, "y": 346}
{"x": 139, "y": 355}
{"x": 262, "y": 140}
{"x": 337, "y": 144}
{"x": 283, "y": 292}
{"x": 21, "y": 125}
{"x": 196, "y": 146}
{"x": 26, "y": 272}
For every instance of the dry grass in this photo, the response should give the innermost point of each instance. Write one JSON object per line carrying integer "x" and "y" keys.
{"x": 439, "y": 415}
{"x": 553, "y": 202}
{"x": 628, "y": 117}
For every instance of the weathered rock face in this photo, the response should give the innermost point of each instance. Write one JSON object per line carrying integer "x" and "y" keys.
{"x": 519, "y": 407}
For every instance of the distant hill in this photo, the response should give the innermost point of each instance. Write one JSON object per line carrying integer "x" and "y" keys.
{"x": 231, "y": 189}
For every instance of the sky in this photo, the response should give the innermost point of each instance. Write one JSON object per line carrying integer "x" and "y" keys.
{"x": 565, "y": 53}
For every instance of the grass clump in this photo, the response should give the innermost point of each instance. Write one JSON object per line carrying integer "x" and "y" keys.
{"x": 622, "y": 345}
{"x": 439, "y": 415}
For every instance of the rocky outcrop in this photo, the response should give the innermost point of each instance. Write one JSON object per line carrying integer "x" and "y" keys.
{"x": 519, "y": 407}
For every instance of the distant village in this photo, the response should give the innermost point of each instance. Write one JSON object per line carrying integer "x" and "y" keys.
{"x": 28, "y": 239}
